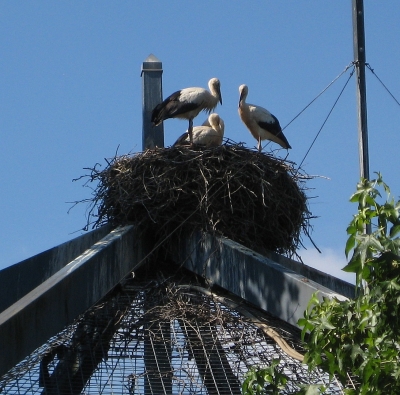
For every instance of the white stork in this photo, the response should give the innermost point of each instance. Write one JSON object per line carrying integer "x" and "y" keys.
{"x": 261, "y": 123}
{"x": 187, "y": 103}
{"x": 210, "y": 134}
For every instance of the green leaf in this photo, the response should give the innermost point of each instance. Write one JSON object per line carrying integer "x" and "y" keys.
{"x": 355, "y": 352}
{"x": 351, "y": 242}
{"x": 393, "y": 246}
{"x": 367, "y": 243}
{"x": 396, "y": 373}
{"x": 369, "y": 200}
{"x": 325, "y": 323}
{"x": 369, "y": 370}
{"x": 393, "y": 285}
{"x": 314, "y": 301}
{"x": 349, "y": 316}
{"x": 355, "y": 197}
{"x": 311, "y": 389}
{"x": 374, "y": 243}
{"x": 354, "y": 266}
{"x": 302, "y": 322}
{"x": 351, "y": 229}
{"x": 394, "y": 230}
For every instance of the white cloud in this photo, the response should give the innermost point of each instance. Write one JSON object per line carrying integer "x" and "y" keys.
{"x": 329, "y": 261}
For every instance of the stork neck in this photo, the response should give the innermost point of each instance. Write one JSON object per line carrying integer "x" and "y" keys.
{"x": 242, "y": 103}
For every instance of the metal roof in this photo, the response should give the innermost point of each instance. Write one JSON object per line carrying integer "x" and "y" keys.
{"x": 163, "y": 331}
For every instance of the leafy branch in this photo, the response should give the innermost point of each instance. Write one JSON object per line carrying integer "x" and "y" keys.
{"x": 360, "y": 337}
{"x": 357, "y": 338}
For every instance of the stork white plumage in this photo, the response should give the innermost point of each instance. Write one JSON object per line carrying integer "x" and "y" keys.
{"x": 187, "y": 103}
{"x": 261, "y": 123}
{"x": 210, "y": 134}
{"x": 221, "y": 123}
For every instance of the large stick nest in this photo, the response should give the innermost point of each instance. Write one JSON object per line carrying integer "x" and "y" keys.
{"x": 250, "y": 197}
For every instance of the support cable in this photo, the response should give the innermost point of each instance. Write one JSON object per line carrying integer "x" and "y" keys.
{"x": 387, "y": 89}
{"x": 323, "y": 91}
{"x": 326, "y": 119}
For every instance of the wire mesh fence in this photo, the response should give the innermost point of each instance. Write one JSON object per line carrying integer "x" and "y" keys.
{"x": 162, "y": 332}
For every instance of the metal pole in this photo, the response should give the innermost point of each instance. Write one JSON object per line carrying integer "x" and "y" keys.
{"x": 359, "y": 61}
{"x": 152, "y": 136}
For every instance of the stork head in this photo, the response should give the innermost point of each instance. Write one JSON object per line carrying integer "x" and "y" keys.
{"x": 214, "y": 120}
{"x": 215, "y": 88}
{"x": 243, "y": 91}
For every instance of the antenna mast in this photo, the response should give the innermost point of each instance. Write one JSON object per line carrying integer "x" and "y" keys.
{"x": 359, "y": 61}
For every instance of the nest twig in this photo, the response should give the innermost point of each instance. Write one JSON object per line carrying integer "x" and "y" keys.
{"x": 250, "y": 197}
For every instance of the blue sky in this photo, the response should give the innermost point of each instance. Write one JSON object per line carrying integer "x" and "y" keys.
{"x": 70, "y": 95}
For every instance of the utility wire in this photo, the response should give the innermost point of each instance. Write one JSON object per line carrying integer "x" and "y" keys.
{"x": 388, "y": 91}
{"x": 326, "y": 119}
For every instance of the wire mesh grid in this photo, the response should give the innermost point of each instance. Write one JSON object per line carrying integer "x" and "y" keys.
{"x": 158, "y": 333}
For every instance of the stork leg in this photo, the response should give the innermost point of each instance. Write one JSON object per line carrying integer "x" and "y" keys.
{"x": 259, "y": 143}
{"x": 190, "y": 131}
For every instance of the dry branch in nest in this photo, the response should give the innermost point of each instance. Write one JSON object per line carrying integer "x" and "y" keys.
{"x": 250, "y": 197}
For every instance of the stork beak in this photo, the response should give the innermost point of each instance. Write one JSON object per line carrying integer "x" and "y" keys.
{"x": 219, "y": 94}
{"x": 240, "y": 98}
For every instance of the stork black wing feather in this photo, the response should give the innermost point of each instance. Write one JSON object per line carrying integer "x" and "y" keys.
{"x": 182, "y": 140}
{"x": 273, "y": 128}
{"x": 170, "y": 108}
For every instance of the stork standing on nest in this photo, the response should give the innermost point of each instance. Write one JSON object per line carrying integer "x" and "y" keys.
{"x": 261, "y": 123}
{"x": 210, "y": 134}
{"x": 187, "y": 103}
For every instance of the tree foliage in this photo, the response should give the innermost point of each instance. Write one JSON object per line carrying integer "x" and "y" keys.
{"x": 269, "y": 380}
{"x": 361, "y": 336}
{"x": 358, "y": 337}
